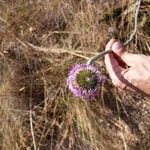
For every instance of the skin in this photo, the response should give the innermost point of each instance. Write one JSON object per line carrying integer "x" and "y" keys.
{"x": 128, "y": 71}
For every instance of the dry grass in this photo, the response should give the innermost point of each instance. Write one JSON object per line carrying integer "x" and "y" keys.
{"x": 39, "y": 41}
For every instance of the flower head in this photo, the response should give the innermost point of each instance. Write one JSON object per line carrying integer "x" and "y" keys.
{"x": 85, "y": 80}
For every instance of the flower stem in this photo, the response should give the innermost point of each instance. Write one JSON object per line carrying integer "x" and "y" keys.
{"x": 93, "y": 59}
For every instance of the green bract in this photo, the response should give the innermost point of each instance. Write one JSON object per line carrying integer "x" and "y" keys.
{"x": 87, "y": 79}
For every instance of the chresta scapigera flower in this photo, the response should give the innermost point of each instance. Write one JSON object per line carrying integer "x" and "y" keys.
{"x": 84, "y": 81}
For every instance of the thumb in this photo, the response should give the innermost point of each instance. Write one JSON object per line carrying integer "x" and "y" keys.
{"x": 118, "y": 48}
{"x": 124, "y": 58}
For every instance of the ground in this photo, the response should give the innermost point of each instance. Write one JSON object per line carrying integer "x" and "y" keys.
{"x": 40, "y": 40}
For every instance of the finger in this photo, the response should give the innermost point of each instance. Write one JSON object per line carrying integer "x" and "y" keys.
{"x": 113, "y": 67}
{"x": 124, "y": 57}
{"x": 134, "y": 60}
{"x": 118, "y": 48}
{"x": 109, "y": 44}
{"x": 110, "y": 61}
{"x": 130, "y": 77}
{"x": 131, "y": 60}
{"x": 109, "y": 57}
{"x": 127, "y": 76}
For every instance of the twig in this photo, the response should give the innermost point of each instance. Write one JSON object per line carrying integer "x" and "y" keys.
{"x": 135, "y": 24}
{"x": 31, "y": 119}
{"x": 32, "y": 131}
{"x": 58, "y": 51}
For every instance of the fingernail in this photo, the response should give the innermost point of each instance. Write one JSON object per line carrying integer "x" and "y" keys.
{"x": 116, "y": 46}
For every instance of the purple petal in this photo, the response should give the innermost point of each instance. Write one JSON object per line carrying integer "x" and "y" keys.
{"x": 79, "y": 91}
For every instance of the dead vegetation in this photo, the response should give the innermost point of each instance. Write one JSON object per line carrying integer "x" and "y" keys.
{"x": 39, "y": 42}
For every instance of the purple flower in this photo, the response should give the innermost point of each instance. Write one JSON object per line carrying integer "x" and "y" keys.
{"x": 85, "y": 80}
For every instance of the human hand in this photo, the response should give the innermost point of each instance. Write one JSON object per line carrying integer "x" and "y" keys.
{"x": 136, "y": 76}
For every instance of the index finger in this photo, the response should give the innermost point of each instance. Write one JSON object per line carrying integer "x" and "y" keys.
{"x": 113, "y": 67}
{"x": 112, "y": 64}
